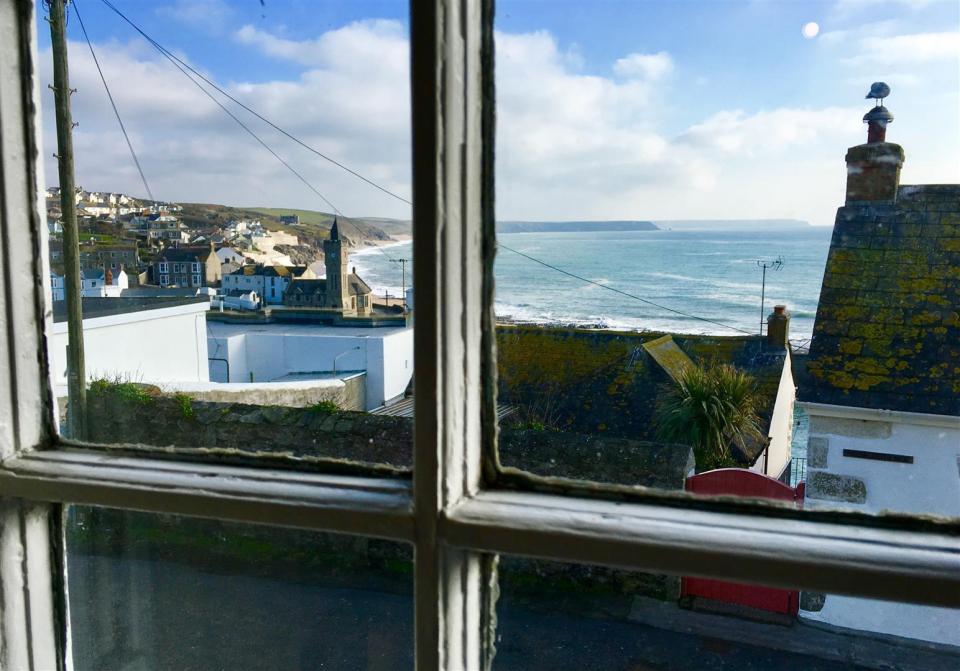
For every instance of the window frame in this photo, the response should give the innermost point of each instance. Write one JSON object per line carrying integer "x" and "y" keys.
{"x": 448, "y": 512}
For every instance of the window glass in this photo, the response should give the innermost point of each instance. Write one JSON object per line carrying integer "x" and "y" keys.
{"x": 713, "y": 258}
{"x": 167, "y": 592}
{"x": 556, "y": 616}
{"x": 261, "y": 146}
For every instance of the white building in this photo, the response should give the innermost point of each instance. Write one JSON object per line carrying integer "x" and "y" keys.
{"x": 97, "y": 284}
{"x": 237, "y": 299}
{"x": 230, "y": 255}
{"x": 150, "y": 340}
{"x": 57, "y": 286}
{"x": 883, "y": 374}
{"x": 278, "y": 352}
{"x": 270, "y": 282}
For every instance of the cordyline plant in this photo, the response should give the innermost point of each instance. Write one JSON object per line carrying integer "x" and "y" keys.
{"x": 710, "y": 408}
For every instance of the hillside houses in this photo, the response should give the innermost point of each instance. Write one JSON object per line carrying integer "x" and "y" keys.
{"x": 270, "y": 282}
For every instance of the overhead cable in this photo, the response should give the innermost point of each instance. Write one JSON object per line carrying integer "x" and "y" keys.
{"x": 252, "y": 111}
{"x": 618, "y": 291}
{"x": 113, "y": 104}
{"x": 223, "y": 107}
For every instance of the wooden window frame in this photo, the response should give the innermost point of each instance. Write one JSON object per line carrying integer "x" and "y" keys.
{"x": 451, "y": 517}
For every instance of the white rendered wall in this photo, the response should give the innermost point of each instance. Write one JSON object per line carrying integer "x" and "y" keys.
{"x": 272, "y": 353}
{"x": 162, "y": 345}
{"x": 781, "y": 423}
{"x": 930, "y": 485}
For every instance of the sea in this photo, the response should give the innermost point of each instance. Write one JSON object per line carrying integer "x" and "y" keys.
{"x": 701, "y": 280}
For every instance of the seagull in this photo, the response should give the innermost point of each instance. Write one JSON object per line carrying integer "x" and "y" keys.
{"x": 878, "y": 91}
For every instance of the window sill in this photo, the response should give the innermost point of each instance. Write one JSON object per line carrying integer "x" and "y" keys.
{"x": 918, "y": 566}
{"x": 349, "y": 504}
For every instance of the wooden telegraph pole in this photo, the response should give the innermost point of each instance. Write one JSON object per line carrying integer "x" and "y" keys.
{"x": 76, "y": 375}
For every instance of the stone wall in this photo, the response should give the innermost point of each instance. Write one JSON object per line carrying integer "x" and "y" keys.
{"x": 135, "y": 414}
{"x": 152, "y": 418}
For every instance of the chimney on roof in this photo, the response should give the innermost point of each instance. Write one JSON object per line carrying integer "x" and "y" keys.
{"x": 873, "y": 169}
{"x": 354, "y": 270}
{"x": 778, "y": 328}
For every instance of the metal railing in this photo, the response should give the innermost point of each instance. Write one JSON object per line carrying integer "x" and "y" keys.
{"x": 798, "y": 470}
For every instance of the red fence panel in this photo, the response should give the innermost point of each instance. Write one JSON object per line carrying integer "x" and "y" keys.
{"x": 741, "y": 482}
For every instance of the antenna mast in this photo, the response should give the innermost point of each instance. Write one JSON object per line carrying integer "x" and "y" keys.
{"x": 776, "y": 264}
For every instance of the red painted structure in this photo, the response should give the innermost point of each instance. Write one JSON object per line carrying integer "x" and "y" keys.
{"x": 741, "y": 482}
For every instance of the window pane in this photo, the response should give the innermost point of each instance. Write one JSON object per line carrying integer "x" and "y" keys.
{"x": 563, "y": 616}
{"x": 250, "y": 264}
{"x": 677, "y": 292}
{"x": 169, "y": 592}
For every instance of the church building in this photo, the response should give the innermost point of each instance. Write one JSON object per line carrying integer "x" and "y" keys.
{"x": 340, "y": 290}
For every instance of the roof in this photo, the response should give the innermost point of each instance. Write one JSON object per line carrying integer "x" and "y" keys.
{"x": 185, "y": 254}
{"x": 600, "y": 381}
{"x": 887, "y": 332}
{"x": 103, "y": 307}
{"x": 307, "y": 287}
{"x": 358, "y": 286}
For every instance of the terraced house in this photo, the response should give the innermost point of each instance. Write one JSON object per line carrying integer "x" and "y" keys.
{"x": 187, "y": 267}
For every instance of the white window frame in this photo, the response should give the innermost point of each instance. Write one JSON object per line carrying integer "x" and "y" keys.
{"x": 445, "y": 512}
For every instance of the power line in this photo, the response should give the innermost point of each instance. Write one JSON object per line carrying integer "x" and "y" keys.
{"x": 267, "y": 121}
{"x": 277, "y": 156}
{"x": 182, "y": 66}
{"x": 113, "y": 104}
{"x": 618, "y": 291}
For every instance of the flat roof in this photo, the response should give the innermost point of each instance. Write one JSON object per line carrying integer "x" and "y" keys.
{"x": 225, "y": 329}
{"x": 105, "y": 307}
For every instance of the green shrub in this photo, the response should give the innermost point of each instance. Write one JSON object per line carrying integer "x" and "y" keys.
{"x": 711, "y": 408}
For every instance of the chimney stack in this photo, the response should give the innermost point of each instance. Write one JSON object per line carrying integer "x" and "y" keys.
{"x": 873, "y": 169}
{"x": 778, "y": 328}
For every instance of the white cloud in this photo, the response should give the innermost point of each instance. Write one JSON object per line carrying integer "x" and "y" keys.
{"x": 900, "y": 50}
{"x": 209, "y": 14}
{"x": 364, "y": 45}
{"x": 644, "y": 66}
{"x": 771, "y": 131}
{"x": 570, "y": 144}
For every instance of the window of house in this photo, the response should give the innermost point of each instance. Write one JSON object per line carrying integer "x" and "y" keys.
{"x": 152, "y": 538}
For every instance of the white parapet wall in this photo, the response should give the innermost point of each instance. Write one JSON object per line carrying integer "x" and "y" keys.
{"x": 142, "y": 344}
{"x": 877, "y": 462}
{"x": 347, "y": 391}
{"x": 276, "y": 352}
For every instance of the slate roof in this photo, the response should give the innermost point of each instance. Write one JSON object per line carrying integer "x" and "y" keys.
{"x": 358, "y": 286}
{"x": 887, "y": 333}
{"x": 180, "y": 254}
{"x": 307, "y": 287}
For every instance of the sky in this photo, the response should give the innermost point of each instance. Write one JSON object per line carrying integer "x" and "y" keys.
{"x": 605, "y": 109}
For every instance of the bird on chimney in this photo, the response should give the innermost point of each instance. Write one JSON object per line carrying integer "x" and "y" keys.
{"x": 878, "y": 91}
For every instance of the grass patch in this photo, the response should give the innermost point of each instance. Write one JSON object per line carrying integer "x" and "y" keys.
{"x": 324, "y": 408}
{"x": 122, "y": 389}
{"x": 185, "y": 403}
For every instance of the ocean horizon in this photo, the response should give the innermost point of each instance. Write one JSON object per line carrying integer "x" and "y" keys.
{"x": 701, "y": 280}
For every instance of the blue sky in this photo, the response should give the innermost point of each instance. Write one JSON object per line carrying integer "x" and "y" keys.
{"x": 607, "y": 109}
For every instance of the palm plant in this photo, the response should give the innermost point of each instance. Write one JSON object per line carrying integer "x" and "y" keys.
{"x": 710, "y": 408}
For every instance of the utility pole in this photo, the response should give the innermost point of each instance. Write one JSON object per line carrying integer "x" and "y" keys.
{"x": 76, "y": 375}
{"x": 403, "y": 265}
{"x": 776, "y": 264}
